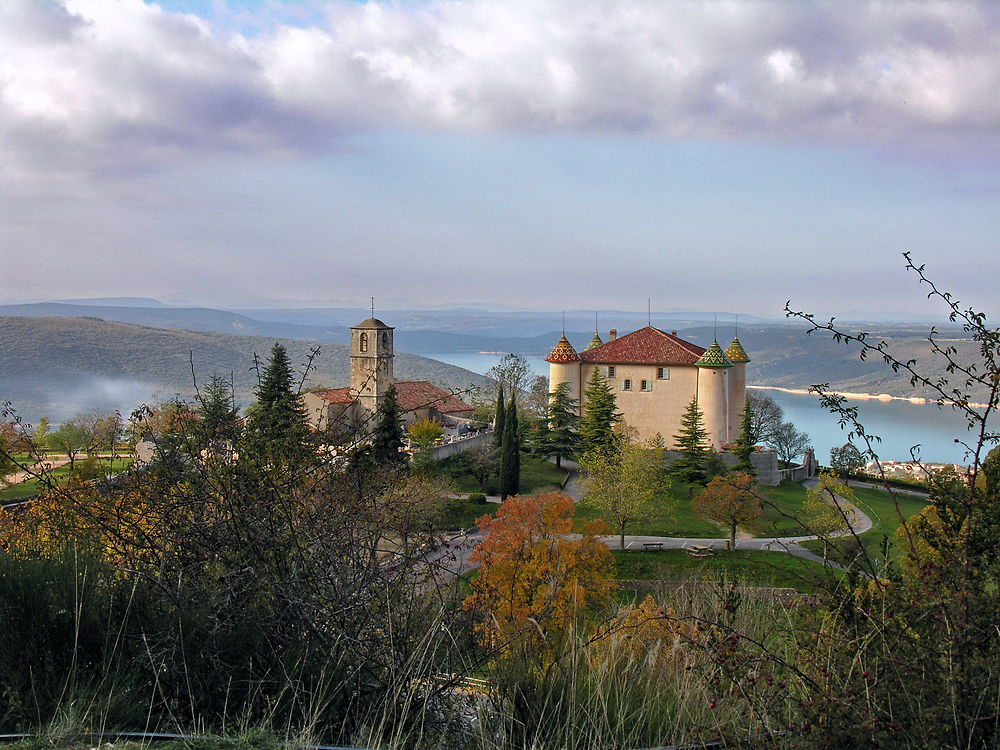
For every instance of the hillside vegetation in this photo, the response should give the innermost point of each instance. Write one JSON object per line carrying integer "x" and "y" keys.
{"x": 60, "y": 366}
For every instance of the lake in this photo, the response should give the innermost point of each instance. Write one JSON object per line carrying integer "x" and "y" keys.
{"x": 900, "y": 424}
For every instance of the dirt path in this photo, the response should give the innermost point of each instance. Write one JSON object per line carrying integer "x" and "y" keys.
{"x": 53, "y": 462}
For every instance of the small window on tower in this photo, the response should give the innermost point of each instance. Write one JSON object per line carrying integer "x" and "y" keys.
{"x": 663, "y": 373}
{"x": 611, "y": 371}
{"x": 627, "y": 384}
{"x": 363, "y": 343}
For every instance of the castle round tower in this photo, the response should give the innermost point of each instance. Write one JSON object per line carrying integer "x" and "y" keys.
{"x": 371, "y": 362}
{"x": 713, "y": 393}
{"x": 737, "y": 385}
{"x": 564, "y": 367}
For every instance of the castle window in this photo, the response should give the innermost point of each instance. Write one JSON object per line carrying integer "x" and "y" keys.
{"x": 363, "y": 344}
{"x": 626, "y": 384}
{"x": 645, "y": 385}
{"x": 611, "y": 371}
{"x": 663, "y": 373}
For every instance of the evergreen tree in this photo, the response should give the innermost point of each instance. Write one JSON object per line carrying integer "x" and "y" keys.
{"x": 692, "y": 442}
{"x": 599, "y": 415}
{"x": 388, "y": 438}
{"x": 562, "y": 437}
{"x": 743, "y": 449}
{"x": 278, "y": 419}
{"x": 499, "y": 419}
{"x": 216, "y": 410}
{"x": 510, "y": 455}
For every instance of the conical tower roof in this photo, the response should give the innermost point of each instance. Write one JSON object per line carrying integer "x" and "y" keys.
{"x": 736, "y": 353}
{"x": 596, "y": 341}
{"x": 714, "y": 357}
{"x": 563, "y": 352}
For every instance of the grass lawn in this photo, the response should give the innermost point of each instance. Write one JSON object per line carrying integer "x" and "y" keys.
{"x": 671, "y": 515}
{"x": 782, "y": 501}
{"x": 461, "y": 514}
{"x": 879, "y": 506}
{"x": 771, "y": 569}
{"x": 59, "y": 475}
{"x": 536, "y": 474}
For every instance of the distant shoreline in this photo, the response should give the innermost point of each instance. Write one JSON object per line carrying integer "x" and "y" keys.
{"x": 863, "y": 396}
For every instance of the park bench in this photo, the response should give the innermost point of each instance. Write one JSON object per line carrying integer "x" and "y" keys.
{"x": 699, "y": 550}
{"x": 653, "y": 545}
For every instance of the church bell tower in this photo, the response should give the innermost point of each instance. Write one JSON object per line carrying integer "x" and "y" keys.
{"x": 371, "y": 362}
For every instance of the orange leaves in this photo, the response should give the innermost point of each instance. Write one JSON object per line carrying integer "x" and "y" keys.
{"x": 536, "y": 578}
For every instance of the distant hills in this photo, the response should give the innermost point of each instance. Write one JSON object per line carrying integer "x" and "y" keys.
{"x": 58, "y": 367}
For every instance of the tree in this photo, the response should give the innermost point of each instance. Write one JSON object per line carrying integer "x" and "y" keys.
{"x": 535, "y": 581}
{"x": 600, "y": 414}
{"x": 744, "y": 447}
{"x": 41, "y": 434}
{"x": 767, "y": 418}
{"x": 425, "y": 432}
{"x": 499, "y": 419}
{"x": 69, "y": 438}
{"x": 387, "y": 443}
{"x": 510, "y": 454}
{"x": 692, "y": 443}
{"x": 821, "y": 512}
{"x": 623, "y": 483}
{"x": 278, "y": 419}
{"x": 7, "y": 463}
{"x": 846, "y": 459}
{"x": 537, "y": 399}
{"x": 512, "y": 375}
{"x": 562, "y": 438}
{"x": 216, "y": 409}
{"x": 483, "y": 463}
{"x": 789, "y": 443}
{"x": 731, "y": 500}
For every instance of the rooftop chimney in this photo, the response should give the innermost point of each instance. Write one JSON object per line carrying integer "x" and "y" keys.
{"x": 612, "y": 334}
{"x": 673, "y": 333}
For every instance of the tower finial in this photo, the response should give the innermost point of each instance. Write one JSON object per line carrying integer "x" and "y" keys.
{"x": 564, "y": 323}
{"x": 715, "y": 326}
{"x": 649, "y": 311}
{"x": 595, "y": 321}
{"x": 373, "y": 307}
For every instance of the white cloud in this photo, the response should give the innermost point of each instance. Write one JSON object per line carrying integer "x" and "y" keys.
{"x": 100, "y": 85}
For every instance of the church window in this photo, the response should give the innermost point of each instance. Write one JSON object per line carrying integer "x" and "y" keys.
{"x": 611, "y": 371}
{"x": 385, "y": 340}
{"x": 627, "y": 384}
{"x": 663, "y": 373}
{"x": 363, "y": 345}
{"x": 646, "y": 385}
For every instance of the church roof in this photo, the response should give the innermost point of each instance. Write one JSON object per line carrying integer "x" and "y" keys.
{"x": 596, "y": 341}
{"x": 371, "y": 323}
{"x": 411, "y": 395}
{"x": 736, "y": 353}
{"x": 714, "y": 357}
{"x": 647, "y": 346}
{"x": 563, "y": 352}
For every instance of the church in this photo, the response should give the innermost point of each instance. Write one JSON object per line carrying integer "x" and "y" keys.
{"x": 371, "y": 360}
{"x": 654, "y": 375}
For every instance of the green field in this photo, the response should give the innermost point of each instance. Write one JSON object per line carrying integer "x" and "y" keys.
{"x": 59, "y": 475}
{"x": 461, "y": 514}
{"x": 536, "y": 474}
{"x": 770, "y": 569}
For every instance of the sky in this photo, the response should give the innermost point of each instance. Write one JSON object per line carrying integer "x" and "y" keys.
{"x": 550, "y": 155}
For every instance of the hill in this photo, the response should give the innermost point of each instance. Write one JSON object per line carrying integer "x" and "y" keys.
{"x": 58, "y": 367}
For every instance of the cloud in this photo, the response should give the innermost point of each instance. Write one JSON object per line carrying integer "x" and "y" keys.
{"x": 94, "y": 85}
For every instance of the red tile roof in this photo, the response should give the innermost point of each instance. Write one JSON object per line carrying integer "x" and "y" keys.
{"x": 419, "y": 394}
{"x": 647, "y": 346}
{"x": 412, "y": 395}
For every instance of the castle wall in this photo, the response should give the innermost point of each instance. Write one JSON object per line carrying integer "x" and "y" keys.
{"x": 737, "y": 398}
{"x": 655, "y": 411}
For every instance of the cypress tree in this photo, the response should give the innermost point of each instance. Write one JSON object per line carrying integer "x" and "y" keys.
{"x": 691, "y": 441}
{"x": 743, "y": 449}
{"x": 388, "y": 438}
{"x": 498, "y": 419}
{"x": 510, "y": 455}
{"x": 599, "y": 415}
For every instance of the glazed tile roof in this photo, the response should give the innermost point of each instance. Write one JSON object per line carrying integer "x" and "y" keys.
{"x": 647, "y": 346}
{"x": 563, "y": 352}
{"x": 714, "y": 357}
{"x": 596, "y": 341}
{"x": 736, "y": 353}
{"x": 411, "y": 394}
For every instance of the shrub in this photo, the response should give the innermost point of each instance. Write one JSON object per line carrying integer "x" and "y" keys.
{"x": 478, "y": 498}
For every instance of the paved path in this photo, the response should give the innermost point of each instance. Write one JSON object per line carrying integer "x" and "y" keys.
{"x": 20, "y": 476}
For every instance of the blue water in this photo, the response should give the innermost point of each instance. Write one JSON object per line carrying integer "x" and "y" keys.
{"x": 900, "y": 424}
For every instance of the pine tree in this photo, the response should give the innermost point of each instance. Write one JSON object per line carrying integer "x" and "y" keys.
{"x": 217, "y": 411}
{"x": 278, "y": 418}
{"x": 562, "y": 437}
{"x": 510, "y": 455}
{"x": 599, "y": 415}
{"x": 691, "y": 441}
{"x": 743, "y": 449}
{"x": 388, "y": 438}
{"x": 499, "y": 419}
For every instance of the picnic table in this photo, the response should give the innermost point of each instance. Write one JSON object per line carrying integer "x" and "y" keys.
{"x": 699, "y": 550}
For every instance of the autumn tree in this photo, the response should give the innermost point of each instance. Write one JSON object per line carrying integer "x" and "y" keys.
{"x": 846, "y": 459}
{"x": 822, "y": 512}
{"x": 623, "y": 483}
{"x": 425, "y": 432}
{"x": 600, "y": 414}
{"x": 730, "y": 500}
{"x": 536, "y": 580}
{"x": 692, "y": 443}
